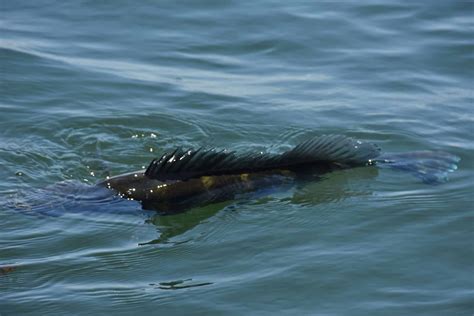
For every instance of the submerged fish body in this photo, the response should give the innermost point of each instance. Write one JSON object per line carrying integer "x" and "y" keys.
{"x": 177, "y": 195}
{"x": 182, "y": 179}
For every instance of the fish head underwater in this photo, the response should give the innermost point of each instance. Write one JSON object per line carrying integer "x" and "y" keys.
{"x": 183, "y": 179}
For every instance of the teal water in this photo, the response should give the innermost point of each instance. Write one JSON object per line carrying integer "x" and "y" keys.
{"x": 92, "y": 88}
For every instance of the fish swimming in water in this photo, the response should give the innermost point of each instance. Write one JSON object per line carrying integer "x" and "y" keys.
{"x": 185, "y": 178}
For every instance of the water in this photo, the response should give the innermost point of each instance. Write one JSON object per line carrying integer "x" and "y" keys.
{"x": 91, "y": 88}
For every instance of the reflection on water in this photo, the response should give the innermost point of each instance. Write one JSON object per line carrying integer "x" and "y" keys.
{"x": 175, "y": 225}
{"x": 337, "y": 186}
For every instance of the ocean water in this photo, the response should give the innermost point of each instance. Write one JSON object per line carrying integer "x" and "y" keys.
{"x": 96, "y": 88}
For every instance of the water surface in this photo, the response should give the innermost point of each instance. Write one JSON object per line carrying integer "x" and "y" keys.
{"x": 90, "y": 89}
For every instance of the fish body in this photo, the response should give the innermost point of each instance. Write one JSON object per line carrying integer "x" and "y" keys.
{"x": 186, "y": 178}
{"x": 177, "y": 195}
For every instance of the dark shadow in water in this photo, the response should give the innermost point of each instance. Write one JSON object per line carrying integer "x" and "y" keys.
{"x": 179, "y": 284}
{"x": 334, "y": 187}
{"x": 175, "y": 225}
{"x": 7, "y": 269}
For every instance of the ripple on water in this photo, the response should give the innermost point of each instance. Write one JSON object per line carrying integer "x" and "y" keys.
{"x": 98, "y": 89}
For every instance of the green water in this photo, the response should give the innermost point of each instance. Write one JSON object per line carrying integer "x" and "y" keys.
{"x": 96, "y": 88}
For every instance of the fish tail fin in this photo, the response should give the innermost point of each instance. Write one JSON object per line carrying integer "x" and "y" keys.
{"x": 432, "y": 167}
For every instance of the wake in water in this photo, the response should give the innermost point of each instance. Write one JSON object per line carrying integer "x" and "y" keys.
{"x": 432, "y": 167}
{"x": 69, "y": 197}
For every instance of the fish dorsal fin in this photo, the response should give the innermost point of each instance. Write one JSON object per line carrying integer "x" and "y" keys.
{"x": 186, "y": 164}
{"x": 333, "y": 148}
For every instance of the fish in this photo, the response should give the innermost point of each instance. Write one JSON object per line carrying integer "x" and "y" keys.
{"x": 181, "y": 179}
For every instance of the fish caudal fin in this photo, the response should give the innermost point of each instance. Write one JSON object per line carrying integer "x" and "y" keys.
{"x": 431, "y": 167}
{"x": 185, "y": 164}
